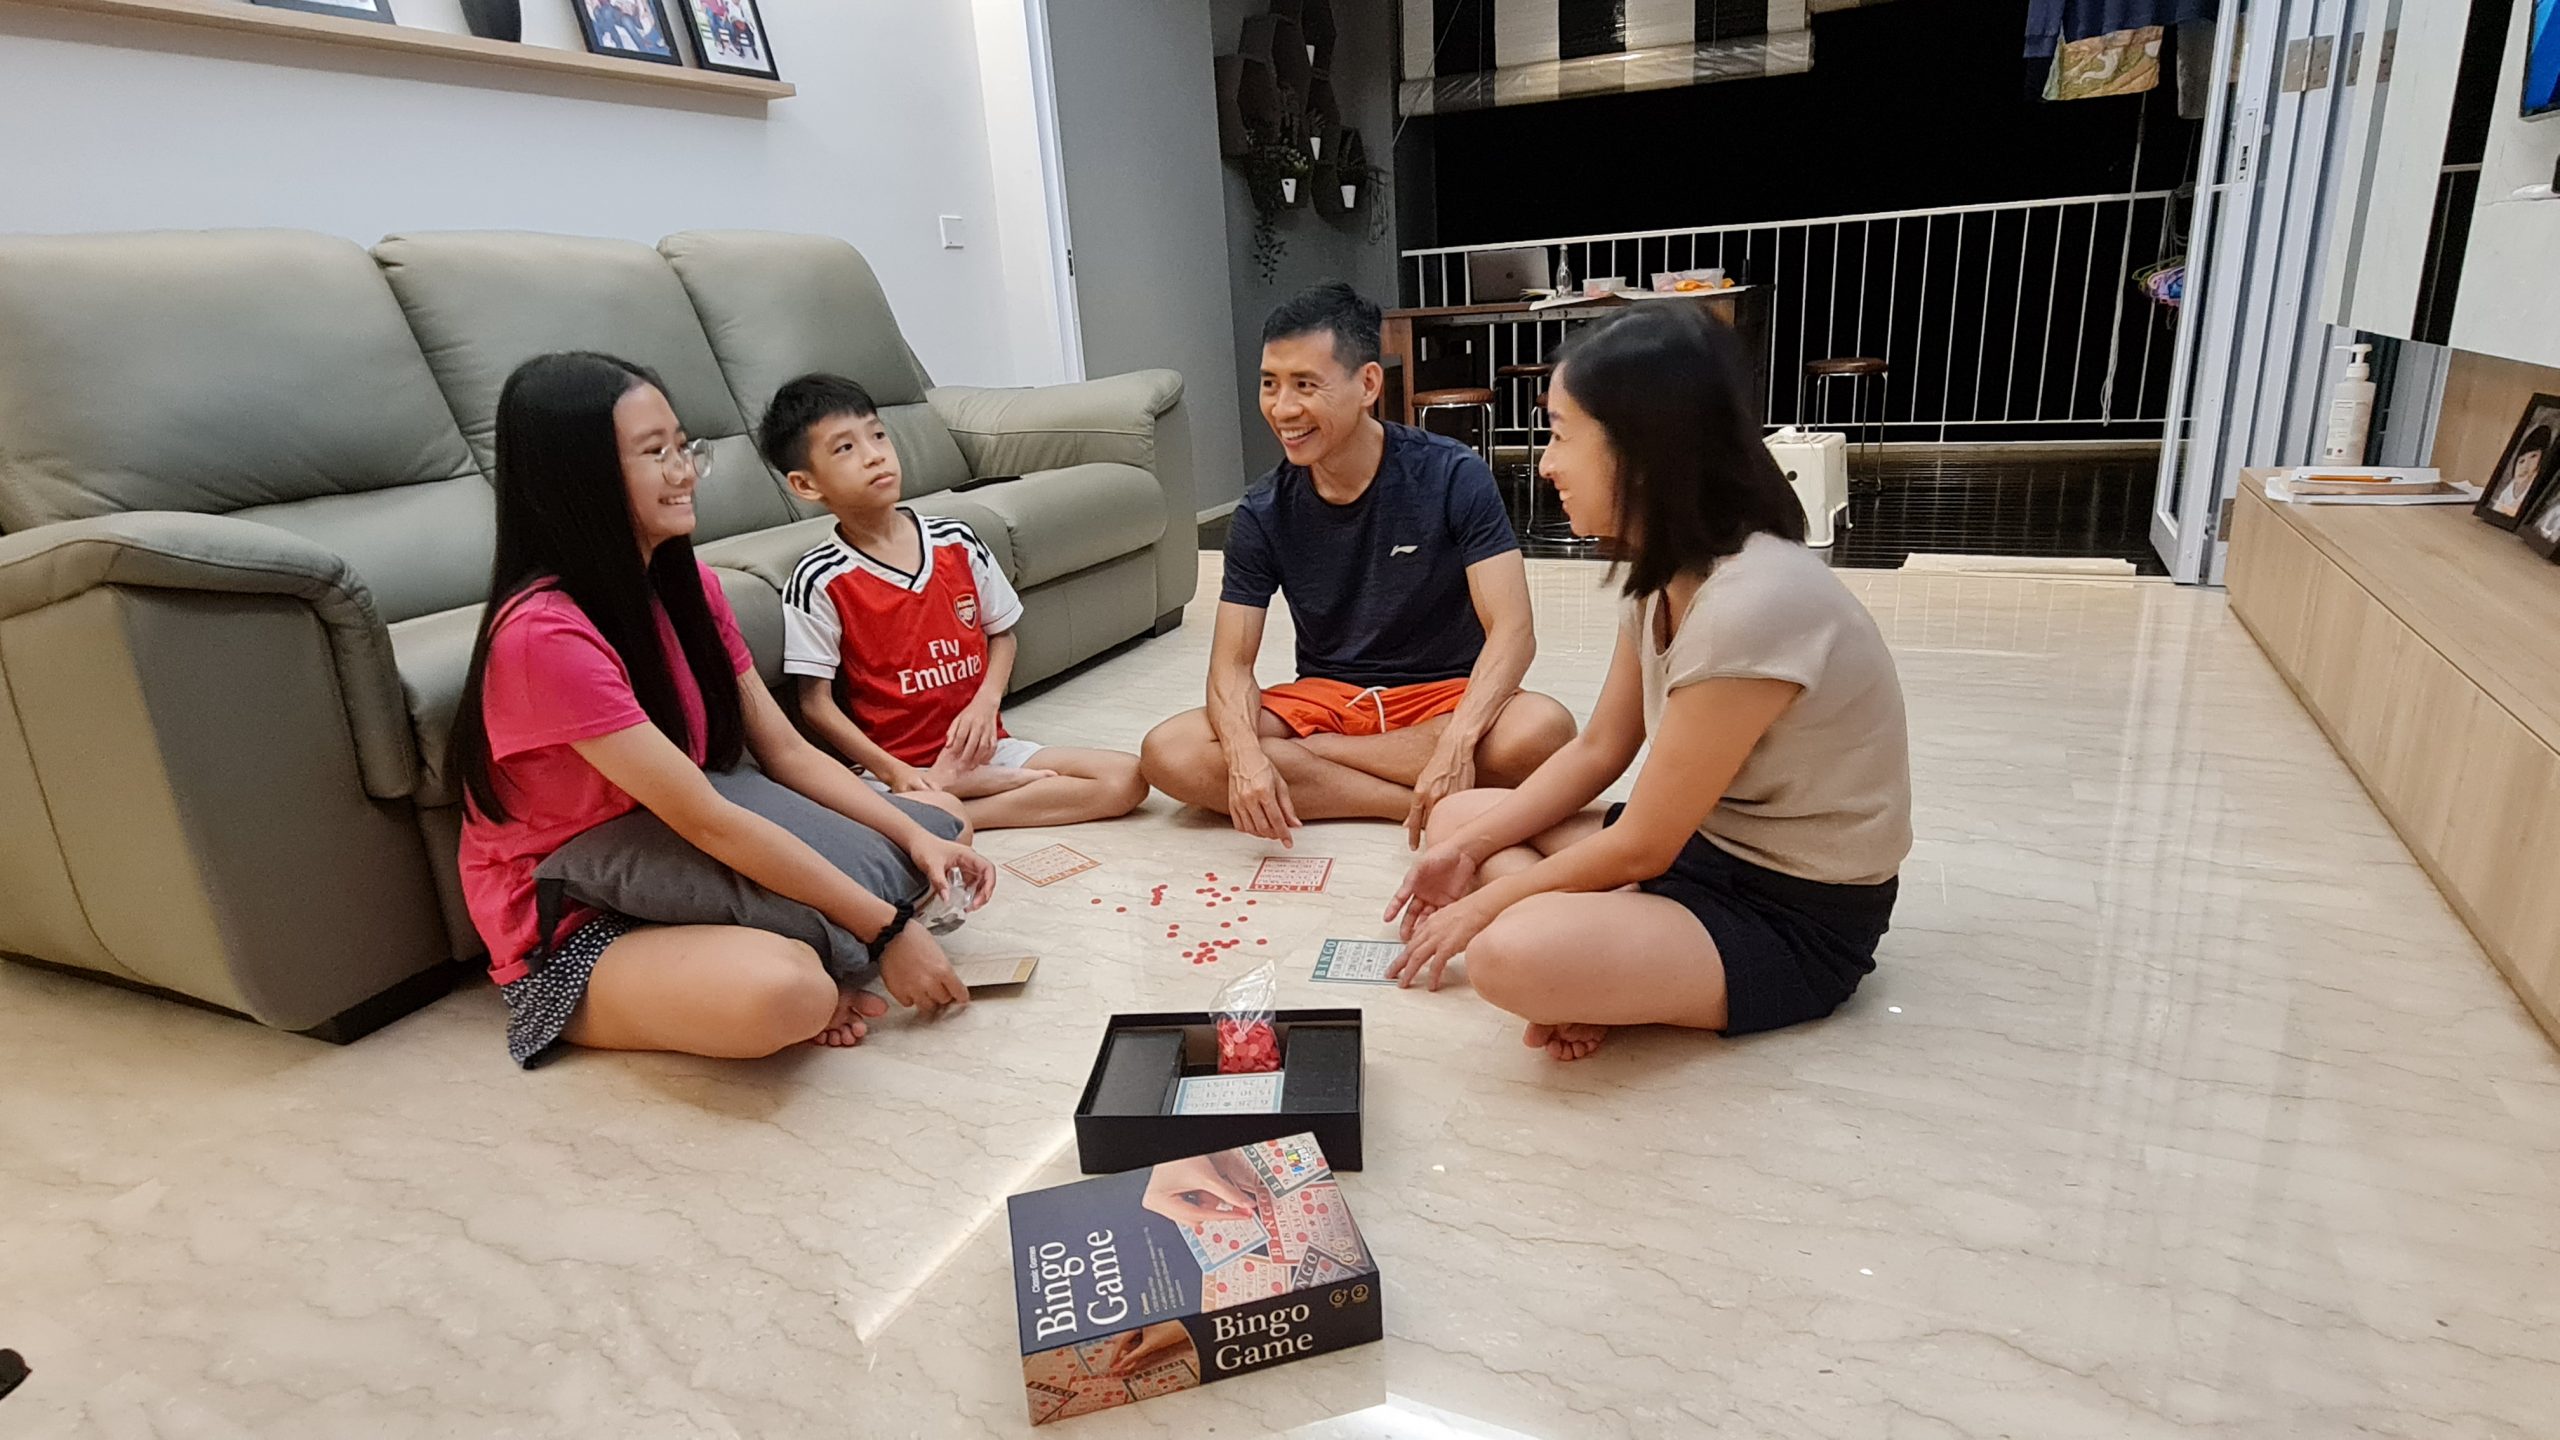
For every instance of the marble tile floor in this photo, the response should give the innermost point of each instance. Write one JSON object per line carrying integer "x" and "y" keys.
{"x": 2180, "y": 1106}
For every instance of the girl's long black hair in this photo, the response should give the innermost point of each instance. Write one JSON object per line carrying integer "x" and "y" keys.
{"x": 564, "y": 518}
{"x": 1672, "y": 388}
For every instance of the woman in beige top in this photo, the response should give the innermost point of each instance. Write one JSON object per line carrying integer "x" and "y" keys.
{"x": 1745, "y": 884}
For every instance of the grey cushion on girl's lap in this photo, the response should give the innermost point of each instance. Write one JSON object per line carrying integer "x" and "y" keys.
{"x": 638, "y": 867}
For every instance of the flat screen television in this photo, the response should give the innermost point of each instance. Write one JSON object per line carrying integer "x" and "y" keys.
{"x": 2542, "y": 59}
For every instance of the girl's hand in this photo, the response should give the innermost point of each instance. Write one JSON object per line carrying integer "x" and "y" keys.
{"x": 938, "y": 857}
{"x": 917, "y": 973}
{"x": 902, "y": 778}
{"x": 1442, "y": 877}
{"x": 1439, "y": 939}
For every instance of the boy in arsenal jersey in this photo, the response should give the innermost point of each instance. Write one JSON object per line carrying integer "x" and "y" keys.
{"x": 899, "y": 629}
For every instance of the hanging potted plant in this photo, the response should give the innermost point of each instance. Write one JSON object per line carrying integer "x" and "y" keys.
{"x": 1276, "y": 172}
{"x": 1352, "y": 170}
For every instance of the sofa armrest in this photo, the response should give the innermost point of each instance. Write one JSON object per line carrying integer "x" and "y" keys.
{"x": 1049, "y": 427}
{"x": 1134, "y": 419}
{"x": 176, "y": 550}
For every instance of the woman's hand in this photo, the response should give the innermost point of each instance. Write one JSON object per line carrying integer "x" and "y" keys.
{"x": 1440, "y": 938}
{"x": 1441, "y": 877}
{"x": 938, "y": 857}
{"x": 918, "y": 974}
{"x": 1188, "y": 1192}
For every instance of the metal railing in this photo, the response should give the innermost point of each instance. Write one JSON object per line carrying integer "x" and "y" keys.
{"x": 2013, "y": 321}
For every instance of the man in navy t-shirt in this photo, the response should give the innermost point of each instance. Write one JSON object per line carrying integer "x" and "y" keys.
{"x": 1409, "y": 596}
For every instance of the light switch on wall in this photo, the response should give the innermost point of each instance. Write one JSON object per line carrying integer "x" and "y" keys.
{"x": 955, "y": 233}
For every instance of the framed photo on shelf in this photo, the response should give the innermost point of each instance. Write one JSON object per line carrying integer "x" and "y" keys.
{"x": 2526, "y": 468}
{"x": 728, "y": 36}
{"x": 2540, "y": 531}
{"x": 350, "y": 9}
{"x": 630, "y": 29}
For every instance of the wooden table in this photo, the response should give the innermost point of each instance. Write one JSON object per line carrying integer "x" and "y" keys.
{"x": 1744, "y": 307}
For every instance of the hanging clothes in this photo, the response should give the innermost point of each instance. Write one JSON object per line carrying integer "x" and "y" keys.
{"x": 2126, "y": 62}
{"x": 2126, "y": 57}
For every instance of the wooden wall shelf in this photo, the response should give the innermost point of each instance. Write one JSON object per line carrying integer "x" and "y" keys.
{"x": 240, "y": 17}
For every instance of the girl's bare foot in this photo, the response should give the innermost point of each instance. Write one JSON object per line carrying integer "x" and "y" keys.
{"x": 855, "y": 1007}
{"x": 984, "y": 781}
{"x": 1565, "y": 1042}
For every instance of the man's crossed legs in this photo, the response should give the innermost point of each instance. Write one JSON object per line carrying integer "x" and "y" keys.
{"x": 1333, "y": 775}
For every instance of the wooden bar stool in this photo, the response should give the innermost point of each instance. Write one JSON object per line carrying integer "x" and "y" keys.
{"x": 1557, "y": 531}
{"x": 1460, "y": 397}
{"x": 1857, "y": 370}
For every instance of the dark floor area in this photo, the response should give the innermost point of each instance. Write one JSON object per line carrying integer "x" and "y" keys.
{"x": 1959, "y": 502}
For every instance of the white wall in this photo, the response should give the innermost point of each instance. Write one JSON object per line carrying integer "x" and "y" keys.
{"x": 1138, "y": 121}
{"x": 117, "y": 125}
{"x": 2508, "y": 304}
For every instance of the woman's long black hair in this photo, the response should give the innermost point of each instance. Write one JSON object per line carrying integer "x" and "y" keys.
{"x": 564, "y": 517}
{"x": 1672, "y": 389}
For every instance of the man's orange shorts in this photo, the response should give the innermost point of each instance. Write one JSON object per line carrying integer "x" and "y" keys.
{"x": 1331, "y": 707}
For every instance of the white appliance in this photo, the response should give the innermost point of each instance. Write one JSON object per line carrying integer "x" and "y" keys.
{"x": 1816, "y": 463}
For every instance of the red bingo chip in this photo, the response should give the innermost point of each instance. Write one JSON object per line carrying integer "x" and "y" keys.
{"x": 1247, "y": 1047}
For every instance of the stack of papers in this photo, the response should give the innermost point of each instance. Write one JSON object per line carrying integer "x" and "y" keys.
{"x": 2367, "y": 485}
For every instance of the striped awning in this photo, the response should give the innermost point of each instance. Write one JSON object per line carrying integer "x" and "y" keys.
{"x": 1468, "y": 54}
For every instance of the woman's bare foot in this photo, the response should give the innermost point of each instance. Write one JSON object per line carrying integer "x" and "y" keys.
{"x": 984, "y": 781}
{"x": 854, "y": 1008}
{"x": 1565, "y": 1042}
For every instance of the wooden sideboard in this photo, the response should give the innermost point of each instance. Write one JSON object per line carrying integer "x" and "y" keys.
{"x": 2427, "y": 645}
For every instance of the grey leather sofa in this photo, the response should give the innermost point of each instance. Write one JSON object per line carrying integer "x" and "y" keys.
{"x": 245, "y": 531}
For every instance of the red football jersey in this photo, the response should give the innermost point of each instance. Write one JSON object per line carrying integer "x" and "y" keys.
{"x": 907, "y": 651}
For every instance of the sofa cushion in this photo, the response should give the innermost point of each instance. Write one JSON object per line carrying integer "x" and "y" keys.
{"x": 260, "y": 371}
{"x": 434, "y": 656}
{"x": 483, "y": 303}
{"x": 1058, "y": 522}
{"x": 780, "y": 306}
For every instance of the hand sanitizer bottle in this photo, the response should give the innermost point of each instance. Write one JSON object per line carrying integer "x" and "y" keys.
{"x": 2351, "y": 410}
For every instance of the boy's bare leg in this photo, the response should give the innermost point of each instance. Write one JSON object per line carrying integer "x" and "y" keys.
{"x": 984, "y": 781}
{"x": 1071, "y": 787}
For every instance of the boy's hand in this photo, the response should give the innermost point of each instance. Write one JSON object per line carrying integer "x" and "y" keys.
{"x": 902, "y": 778}
{"x": 971, "y": 741}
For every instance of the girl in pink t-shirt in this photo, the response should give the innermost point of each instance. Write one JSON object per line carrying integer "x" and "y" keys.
{"x": 608, "y": 676}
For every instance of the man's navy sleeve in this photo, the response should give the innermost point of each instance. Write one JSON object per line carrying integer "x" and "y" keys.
{"x": 1478, "y": 523}
{"x": 1253, "y": 572}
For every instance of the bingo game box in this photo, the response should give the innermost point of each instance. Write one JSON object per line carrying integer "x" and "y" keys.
{"x": 1155, "y": 1092}
{"x": 1126, "y": 1290}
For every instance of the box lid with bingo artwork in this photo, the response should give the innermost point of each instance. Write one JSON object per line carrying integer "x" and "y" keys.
{"x": 1134, "y": 1285}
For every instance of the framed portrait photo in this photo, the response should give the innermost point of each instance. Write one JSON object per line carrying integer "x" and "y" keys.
{"x": 728, "y": 36}
{"x": 351, "y": 9}
{"x": 2523, "y": 479}
{"x": 628, "y": 29}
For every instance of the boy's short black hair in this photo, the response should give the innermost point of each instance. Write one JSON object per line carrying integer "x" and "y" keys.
{"x": 796, "y": 410}
{"x": 1335, "y": 309}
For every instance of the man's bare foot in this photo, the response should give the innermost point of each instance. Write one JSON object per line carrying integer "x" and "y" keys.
{"x": 1565, "y": 1042}
{"x": 854, "y": 1008}
{"x": 984, "y": 781}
